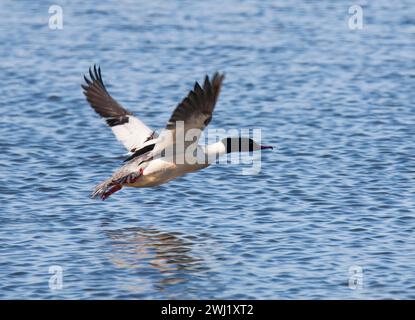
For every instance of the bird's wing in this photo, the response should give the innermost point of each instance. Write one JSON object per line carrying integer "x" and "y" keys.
{"x": 192, "y": 115}
{"x": 128, "y": 129}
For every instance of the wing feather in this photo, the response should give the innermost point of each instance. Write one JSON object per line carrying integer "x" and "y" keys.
{"x": 194, "y": 111}
{"x": 128, "y": 129}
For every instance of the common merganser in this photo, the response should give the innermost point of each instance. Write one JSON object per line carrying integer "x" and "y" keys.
{"x": 156, "y": 159}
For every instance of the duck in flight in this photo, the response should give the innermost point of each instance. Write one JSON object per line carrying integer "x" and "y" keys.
{"x": 156, "y": 159}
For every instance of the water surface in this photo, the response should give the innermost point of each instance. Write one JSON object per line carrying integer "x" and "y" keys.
{"x": 337, "y": 192}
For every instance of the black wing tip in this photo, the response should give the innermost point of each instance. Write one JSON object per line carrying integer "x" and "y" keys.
{"x": 210, "y": 86}
{"x": 197, "y": 88}
{"x": 95, "y": 75}
{"x": 214, "y": 82}
{"x": 218, "y": 76}
{"x": 100, "y": 100}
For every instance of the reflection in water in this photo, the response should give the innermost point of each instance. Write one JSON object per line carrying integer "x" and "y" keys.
{"x": 162, "y": 256}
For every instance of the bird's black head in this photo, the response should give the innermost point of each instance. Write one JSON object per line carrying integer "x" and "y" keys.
{"x": 241, "y": 144}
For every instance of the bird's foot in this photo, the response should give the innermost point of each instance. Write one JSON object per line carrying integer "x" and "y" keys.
{"x": 112, "y": 190}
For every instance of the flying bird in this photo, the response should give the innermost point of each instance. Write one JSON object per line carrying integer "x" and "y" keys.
{"x": 156, "y": 159}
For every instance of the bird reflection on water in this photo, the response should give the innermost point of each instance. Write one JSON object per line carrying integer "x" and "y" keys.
{"x": 150, "y": 253}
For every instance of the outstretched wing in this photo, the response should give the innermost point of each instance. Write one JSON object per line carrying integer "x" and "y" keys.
{"x": 192, "y": 115}
{"x": 128, "y": 129}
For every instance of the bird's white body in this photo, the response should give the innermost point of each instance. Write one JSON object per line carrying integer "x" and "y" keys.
{"x": 162, "y": 170}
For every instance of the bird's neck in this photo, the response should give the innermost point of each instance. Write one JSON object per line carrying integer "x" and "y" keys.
{"x": 214, "y": 150}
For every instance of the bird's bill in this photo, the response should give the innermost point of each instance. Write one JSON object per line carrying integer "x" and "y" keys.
{"x": 266, "y": 147}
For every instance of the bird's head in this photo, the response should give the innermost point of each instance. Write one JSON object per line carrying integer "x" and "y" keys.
{"x": 241, "y": 144}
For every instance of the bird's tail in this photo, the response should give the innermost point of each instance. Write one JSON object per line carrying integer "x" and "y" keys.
{"x": 105, "y": 189}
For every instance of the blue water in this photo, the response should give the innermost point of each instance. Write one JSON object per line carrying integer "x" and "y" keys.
{"x": 336, "y": 193}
